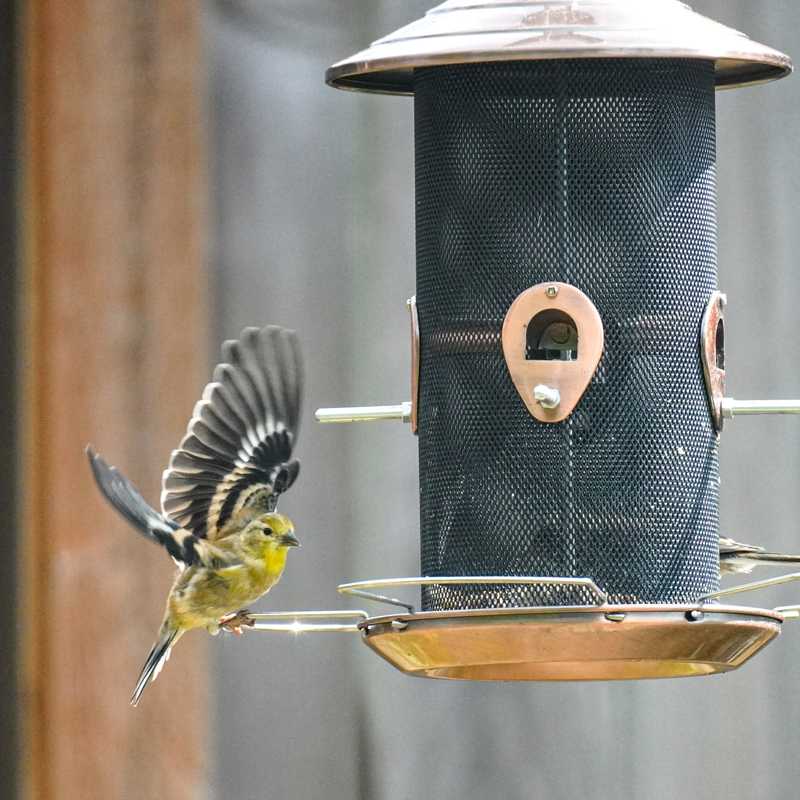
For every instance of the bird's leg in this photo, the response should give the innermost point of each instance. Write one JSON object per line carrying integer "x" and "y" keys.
{"x": 236, "y": 621}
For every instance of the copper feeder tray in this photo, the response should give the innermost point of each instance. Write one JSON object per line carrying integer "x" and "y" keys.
{"x": 620, "y": 642}
{"x": 550, "y": 643}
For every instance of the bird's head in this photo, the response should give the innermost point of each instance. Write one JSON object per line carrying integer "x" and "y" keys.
{"x": 270, "y": 531}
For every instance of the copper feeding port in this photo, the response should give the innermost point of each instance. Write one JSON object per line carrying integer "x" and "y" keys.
{"x": 552, "y": 343}
{"x": 712, "y": 357}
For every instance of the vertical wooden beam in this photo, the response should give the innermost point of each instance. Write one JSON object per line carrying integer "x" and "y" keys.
{"x": 114, "y": 352}
{"x": 9, "y": 473}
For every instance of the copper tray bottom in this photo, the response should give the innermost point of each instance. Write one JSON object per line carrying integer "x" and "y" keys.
{"x": 571, "y": 644}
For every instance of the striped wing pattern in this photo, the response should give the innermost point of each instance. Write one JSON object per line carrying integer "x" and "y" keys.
{"x": 237, "y": 451}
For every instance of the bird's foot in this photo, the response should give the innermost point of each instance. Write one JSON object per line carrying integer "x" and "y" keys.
{"x": 234, "y": 623}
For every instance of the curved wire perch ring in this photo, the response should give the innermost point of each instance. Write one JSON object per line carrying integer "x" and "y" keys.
{"x": 360, "y": 588}
{"x": 269, "y": 621}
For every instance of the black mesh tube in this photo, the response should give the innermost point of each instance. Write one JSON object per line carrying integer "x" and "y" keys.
{"x": 598, "y": 173}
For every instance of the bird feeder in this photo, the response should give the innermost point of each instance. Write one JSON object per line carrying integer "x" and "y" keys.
{"x": 567, "y": 341}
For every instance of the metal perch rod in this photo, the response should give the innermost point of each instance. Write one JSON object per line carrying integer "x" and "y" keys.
{"x": 743, "y": 408}
{"x": 400, "y": 412}
{"x": 791, "y": 612}
{"x": 269, "y": 621}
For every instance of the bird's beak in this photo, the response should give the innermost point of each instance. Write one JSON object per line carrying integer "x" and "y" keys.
{"x": 290, "y": 540}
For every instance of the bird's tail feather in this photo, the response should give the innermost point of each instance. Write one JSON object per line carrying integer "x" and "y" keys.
{"x": 155, "y": 660}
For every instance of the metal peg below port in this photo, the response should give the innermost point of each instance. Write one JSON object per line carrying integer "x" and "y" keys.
{"x": 741, "y": 408}
{"x": 401, "y": 413}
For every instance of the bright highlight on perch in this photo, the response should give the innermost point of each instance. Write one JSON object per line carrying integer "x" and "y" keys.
{"x": 218, "y": 516}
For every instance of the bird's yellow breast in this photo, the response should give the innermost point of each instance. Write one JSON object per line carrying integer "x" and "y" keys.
{"x": 202, "y": 595}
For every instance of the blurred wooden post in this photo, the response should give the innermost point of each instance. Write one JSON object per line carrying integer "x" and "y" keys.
{"x": 114, "y": 352}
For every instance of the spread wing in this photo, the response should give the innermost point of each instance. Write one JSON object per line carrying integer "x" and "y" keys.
{"x": 237, "y": 451}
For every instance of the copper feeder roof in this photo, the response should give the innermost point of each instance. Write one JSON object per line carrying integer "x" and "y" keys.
{"x": 471, "y": 31}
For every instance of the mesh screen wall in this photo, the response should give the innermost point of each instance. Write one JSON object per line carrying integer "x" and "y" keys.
{"x": 598, "y": 173}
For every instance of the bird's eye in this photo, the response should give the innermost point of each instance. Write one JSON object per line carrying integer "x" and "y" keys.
{"x": 266, "y": 531}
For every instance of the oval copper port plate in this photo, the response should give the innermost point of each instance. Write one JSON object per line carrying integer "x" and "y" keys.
{"x": 570, "y": 378}
{"x": 569, "y": 644}
{"x": 712, "y": 354}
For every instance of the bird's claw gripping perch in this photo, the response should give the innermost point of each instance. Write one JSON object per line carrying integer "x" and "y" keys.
{"x": 236, "y": 622}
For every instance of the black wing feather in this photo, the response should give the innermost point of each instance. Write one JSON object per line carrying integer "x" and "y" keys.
{"x": 238, "y": 446}
{"x": 127, "y": 499}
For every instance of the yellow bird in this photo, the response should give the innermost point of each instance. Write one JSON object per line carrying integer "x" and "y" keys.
{"x": 219, "y": 520}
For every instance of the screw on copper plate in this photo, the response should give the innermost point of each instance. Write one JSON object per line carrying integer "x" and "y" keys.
{"x": 546, "y": 396}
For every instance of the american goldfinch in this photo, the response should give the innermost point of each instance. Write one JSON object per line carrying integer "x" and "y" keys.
{"x": 737, "y": 558}
{"x": 219, "y": 493}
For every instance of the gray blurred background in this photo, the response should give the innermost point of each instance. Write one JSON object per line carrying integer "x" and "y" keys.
{"x": 312, "y": 227}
